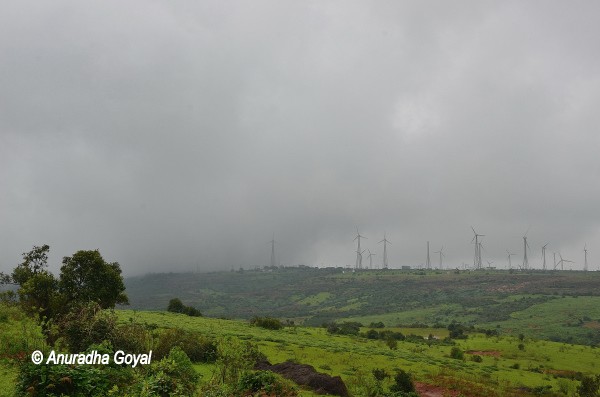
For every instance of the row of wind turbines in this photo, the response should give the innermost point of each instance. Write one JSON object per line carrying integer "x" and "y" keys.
{"x": 359, "y": 252}
{"x": 477, "y": 261}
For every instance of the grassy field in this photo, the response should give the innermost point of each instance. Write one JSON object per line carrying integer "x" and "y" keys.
{"x": 505, "y": 369}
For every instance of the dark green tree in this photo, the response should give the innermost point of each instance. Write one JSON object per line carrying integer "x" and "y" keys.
{"x": 87, "y": 277}
{"x": 590, "y": 386}
{"x": 38, "y": 288}
{"x": 402, "y": 382}
{"x": 176, "y": 306}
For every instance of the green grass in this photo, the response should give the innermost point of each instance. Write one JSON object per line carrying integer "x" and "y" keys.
{"x": 8, "y": 376}
{"x": 348, "y": 356}
{"x": 567, "y": 319}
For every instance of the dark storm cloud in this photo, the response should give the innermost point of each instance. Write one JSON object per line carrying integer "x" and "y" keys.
{"x": 176, "y": 135}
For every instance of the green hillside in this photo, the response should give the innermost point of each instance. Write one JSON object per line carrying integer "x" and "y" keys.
{"x": 513, "y": 303}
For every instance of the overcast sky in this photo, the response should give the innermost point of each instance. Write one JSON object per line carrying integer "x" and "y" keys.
{"x": 175, "y": 135}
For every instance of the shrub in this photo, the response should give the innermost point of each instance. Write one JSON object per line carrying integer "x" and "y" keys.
{"x": 197, "y": 347}
{"x": 477, "y": 358}
{"x": 132, "y": 338}
{"x": 590, "y": 386}
{"x": 402, "y": 382}
{"x": 265, "y": 383}
{"x": 456, "y": 353}
{"x": 72, "y": 380}
{"x": 377, "y": 325}
{"x": 176, "y": 306}
{"x": 380, "y": 374}
{"x": 372, "y": 334}
{"x": 85, "y": 325}
{"x": 267, "y": 322}
{"x": 173, "y": 376}
{"x": 391, "y": 343}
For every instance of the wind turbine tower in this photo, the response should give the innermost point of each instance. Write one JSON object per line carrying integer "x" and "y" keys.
{"x": 370, "y": 256}
{"x": 385, "y": 242}
{"x": 544, "y": 256}
{"x": 358, "y": 264}
{"x": 509, "y": 262}
{"x": 477, "y": 259}
{"x": 428, "y": 265}
{"x": 273, "y": 251}
{"x": 585, "y": 265}
{"x": 525, "y": 246}
{"x": 441, "y": 255}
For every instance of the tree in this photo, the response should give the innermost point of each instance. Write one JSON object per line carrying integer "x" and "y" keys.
{"x": 176, "y": 306}
{"x": 38, "y": 287}
{"x": 590, "y": 386}
{"x": 87, "y": 277}
{"x": 34, "y": 262}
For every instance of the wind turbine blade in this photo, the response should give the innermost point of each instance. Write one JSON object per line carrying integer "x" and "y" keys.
{"x": 473, "y": 230}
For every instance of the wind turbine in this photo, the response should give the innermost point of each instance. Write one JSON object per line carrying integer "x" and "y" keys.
{"x": 490, "y": 264}
{"x": 585, "y": 266}
{"x": 441, "y": 255}
{"x": 272, "y": 242}
{"x": 509, "y": 261}
{"x": 385, "y": 242}
{"x": 370, "y": 256}
{"x": 555, "y": 264}
{"x": 358, "y": 264}
{"x": 428, "y": 259}
{"x": 477, "y": 260}
{"x": 525, "y": 246}
{"x": 544, "y": 256}
{"x": 562, "y": 261}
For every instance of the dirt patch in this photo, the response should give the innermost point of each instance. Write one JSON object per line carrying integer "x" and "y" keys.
{"x": 425, "y": 390}
{"x": 493, "y": 353}
{"x": 592, "y": 325}
{"x": 563, "y": 373}
{"x": 306, "y": 375}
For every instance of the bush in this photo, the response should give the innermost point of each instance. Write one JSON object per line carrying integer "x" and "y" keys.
{"x": 377, "y": 325}
{"x": 197, "y": 347}
{"x": 402, "y": 383}
{"x": 380, "y": 374}
{"x": 266, "y": 322}
{"x": 590, "y": 386}
{"x": 132, "y": 338}
{"x": 265, "y": 383}
{"x": 391, "y": 343}
{"x": 173, "y": 376}
{"x": 477, "y": 358}
{"x": 176, "y": 306}
{"x": 72, "y": 380}
{"x": 456, "y": 353}
{"x": 86, "y": 325}
{"x": 345, "y": 328}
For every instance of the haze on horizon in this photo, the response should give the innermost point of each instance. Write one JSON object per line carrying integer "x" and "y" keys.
{"x": 180, "y": 135}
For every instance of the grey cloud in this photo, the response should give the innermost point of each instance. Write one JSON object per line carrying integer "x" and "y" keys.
{"x": 177, "y": 135}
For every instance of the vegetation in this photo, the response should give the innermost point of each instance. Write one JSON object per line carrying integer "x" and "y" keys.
{"x": 559, "y": 306}
{"x": 449, "y": 347}
{"x": 176, "y": 306}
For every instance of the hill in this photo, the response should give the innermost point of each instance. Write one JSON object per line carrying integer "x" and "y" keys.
{"x": 558, "y": 306}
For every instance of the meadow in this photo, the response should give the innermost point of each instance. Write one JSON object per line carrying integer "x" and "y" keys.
{"x": 505, "y": 368}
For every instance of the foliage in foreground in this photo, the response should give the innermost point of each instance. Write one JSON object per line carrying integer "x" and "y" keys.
{"x": 172, "y": 376}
